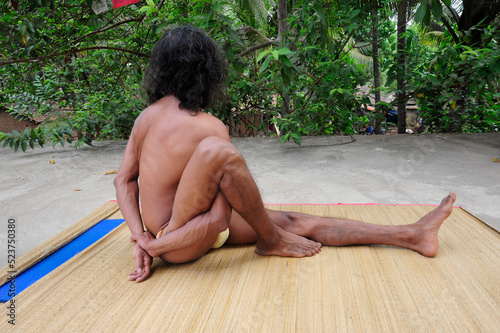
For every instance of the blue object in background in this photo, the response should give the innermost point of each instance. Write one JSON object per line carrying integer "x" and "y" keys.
{"x": 392, "y": 117}
{"x": 56, "y": 259}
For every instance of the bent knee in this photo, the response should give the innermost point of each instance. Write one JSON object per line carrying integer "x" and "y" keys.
{"x": 219, "y": 151}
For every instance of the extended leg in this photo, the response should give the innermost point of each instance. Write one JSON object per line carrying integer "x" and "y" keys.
{"x": 216, "y": 165}
{"x": 420, "y": 236}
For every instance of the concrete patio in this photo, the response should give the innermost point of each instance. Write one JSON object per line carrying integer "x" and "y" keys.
{"x": 45, "y": 198}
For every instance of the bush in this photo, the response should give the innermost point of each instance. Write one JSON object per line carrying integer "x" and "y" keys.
{"x": 459, "y": 91}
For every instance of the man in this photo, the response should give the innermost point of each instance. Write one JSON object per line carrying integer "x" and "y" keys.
{"x": 195, "y": 187}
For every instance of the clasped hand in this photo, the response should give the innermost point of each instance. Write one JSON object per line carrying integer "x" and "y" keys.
{"x": 143, "y": 259}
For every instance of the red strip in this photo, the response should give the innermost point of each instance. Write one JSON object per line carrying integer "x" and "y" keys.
{"x": 344, "y": 204}
{"x": 355, "y": 204}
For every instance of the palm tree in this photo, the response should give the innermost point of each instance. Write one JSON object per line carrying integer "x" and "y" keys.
{"x": 462, "y": 16}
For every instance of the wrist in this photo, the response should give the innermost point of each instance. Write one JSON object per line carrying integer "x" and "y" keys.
{"x": 135, "y": 235}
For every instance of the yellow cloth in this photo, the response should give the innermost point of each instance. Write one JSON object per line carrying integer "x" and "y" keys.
{"x": 221, "y": 239}
{"x": 158, "y": 235}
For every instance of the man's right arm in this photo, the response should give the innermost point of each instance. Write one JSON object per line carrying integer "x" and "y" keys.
{"x": 127, "y": 188}
{"x": 127, "y": 195}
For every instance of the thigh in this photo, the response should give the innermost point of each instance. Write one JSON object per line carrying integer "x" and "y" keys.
{"x": 199, "y": 183}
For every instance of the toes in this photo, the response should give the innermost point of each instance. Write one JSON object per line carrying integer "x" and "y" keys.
{"x": 297, "y": 247}
{"x": 313, "y": 250}
{"x": 452, "y": 197}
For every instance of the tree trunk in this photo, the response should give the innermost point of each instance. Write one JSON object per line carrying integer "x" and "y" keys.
{"x": 401, "y": 63}
{"x": 376, "y": 65}
{"x": 282, "y": 24}
{"x": 282, "y": 30}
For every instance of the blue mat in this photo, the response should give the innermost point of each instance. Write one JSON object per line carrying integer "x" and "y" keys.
{"x": 47, "y": 265}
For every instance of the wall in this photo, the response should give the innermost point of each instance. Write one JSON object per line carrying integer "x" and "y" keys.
{"x": 9, "y": 123}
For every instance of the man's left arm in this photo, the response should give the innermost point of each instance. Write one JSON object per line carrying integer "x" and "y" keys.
{"x": 193, "y": 232}
{"x": 188, "y": 235}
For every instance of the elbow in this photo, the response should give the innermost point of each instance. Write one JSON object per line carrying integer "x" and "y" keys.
{"x": 123, "y": 180}
{"x": 116, "y": 182}
{"x": 119, "y": 180}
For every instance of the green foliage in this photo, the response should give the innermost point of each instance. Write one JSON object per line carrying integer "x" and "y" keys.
{"x": 83, "y": 71}
{"x": 62, "y": 61}
{"x": 459, "y": 90}
{"x": 290, "y": 129}
{"x": 312, "y": 69}
{"x": 331, "y": 109}
{"x": 57, "y": 134}
{"x": 416, "y": 54}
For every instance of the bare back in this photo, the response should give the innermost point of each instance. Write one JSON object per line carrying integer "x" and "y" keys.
{"x": 165, "y": 138}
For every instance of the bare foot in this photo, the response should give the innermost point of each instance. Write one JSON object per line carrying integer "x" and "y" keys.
{"x": 288, "y": 245}
{"x": 427, "y": 228}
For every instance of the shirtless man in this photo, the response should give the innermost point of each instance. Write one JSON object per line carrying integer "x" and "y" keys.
{"x": 194, "y": 184}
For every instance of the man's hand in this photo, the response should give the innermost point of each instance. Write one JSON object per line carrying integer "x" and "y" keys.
{"x": 144, "y": 240}
{"x": 143, "y": 264}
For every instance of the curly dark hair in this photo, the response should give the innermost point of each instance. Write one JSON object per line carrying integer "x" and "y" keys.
{"x": 188, "y": 64}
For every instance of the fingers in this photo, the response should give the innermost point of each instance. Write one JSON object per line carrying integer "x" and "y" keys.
{"x": 136, "y": 237}
{"x": 142, "y": 277}
{"x": 143, "y": 267}
{"x": 139, "y": 257}
{"x": 143, "y": 240}
{"x": 147, "y": 264}
{"x": 139, "y": 274}
{"x": 136, "y": 273}
{"x": 139, "y": 264}
{"x": 146, "y": 270}
{"x": 149, "y": 235}
{"x": 139, "y": 240}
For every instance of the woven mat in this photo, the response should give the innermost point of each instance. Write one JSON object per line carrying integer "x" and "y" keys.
{"x": 343, "y": 289}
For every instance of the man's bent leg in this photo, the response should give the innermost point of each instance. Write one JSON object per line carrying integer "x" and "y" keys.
{"x": 216, "y": 165}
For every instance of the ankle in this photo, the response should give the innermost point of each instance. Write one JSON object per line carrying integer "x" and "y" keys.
{"x": 272, "y": 236}
{"x": 412, "y": 234}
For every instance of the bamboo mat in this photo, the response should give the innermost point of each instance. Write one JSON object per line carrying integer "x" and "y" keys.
{"x": 343, "y": 289}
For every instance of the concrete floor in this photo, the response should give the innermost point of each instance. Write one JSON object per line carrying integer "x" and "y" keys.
{"x": 393, "y": 169}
